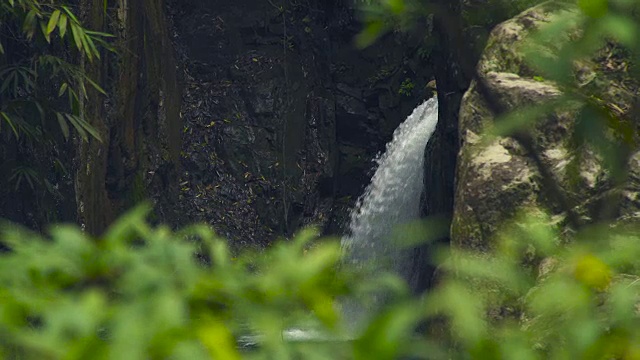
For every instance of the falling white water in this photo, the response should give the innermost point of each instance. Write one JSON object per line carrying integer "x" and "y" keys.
{"x": 391, "y": 199}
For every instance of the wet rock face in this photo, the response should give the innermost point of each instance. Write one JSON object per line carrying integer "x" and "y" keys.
{"x": 496, "y": 180}
{"x": 283, "y": 116}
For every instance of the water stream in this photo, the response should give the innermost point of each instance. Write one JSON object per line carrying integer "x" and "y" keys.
{"x": 391, "y": 199}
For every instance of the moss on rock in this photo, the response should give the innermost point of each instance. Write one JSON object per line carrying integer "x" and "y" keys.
{"x": 495, "y": 179}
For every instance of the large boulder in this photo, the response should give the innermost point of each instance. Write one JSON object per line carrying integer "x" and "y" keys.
{"x": 497, "y": 178}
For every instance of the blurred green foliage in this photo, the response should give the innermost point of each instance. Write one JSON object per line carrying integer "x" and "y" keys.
{"x": 140, "y": 292}
{"x": 536, "y": 297}
{"x": 144, "y": 292}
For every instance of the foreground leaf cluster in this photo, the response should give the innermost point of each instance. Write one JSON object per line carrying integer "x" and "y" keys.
{"x": 144, "y": 292}
{"x": 36, "y": 38}
{"x": 141, "y": 292}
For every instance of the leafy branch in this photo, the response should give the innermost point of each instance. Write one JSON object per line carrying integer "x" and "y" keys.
{"x": 22, "y": 80}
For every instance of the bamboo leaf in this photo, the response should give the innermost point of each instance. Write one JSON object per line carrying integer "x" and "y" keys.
{"x": 43, "y": 28}
{"x": 104, "y": 44}
{"x": 63, "y": 125}
{"x": 83, "y": 127}
{"x": 92, "y": 46}
{"x": 18, "y": 177}
{"x": 76, "y": 124}
{"x": 11, "y": 124}
{"x": 76, "y": 36}
{"x": 98, "y": 33}
{"x": 70, "y": 14}
{"x": 53, "y": 21}
{"x": 63, "y": 88}
{"x": 85, "y": 44}
{"x": 83, "y": 90}
{"x": 62, "y": 25}
{"x": 28, "y": 83}
{"x": 372, "y": 31}
{"x": 96, "y": 86}
{"x": 29, "y": 25}
{"x": 90, "y": 129}
{"x": 7, "y": 81}
{"x": 74, "y": 102}
{"x": 40, "y": 110}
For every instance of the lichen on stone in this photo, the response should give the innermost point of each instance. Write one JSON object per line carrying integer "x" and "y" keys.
{"x": 496, "y": 178}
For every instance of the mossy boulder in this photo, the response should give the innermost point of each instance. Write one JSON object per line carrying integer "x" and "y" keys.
{"x": 495, "y": 179}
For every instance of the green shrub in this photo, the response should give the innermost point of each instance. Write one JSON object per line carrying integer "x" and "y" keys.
{"x": 535, "y": 297}
{"x": 140, "y": 292}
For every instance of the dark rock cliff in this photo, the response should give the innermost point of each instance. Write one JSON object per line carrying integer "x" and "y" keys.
{"x": 257, "y": 117}
{"x": 283, "y": 115}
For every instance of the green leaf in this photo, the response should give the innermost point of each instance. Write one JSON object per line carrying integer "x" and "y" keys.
{"x": 90, "y": 129}
{"x": 63, "y": 125}
{"x": 594, "y": 8}
{"x": 76, "y": 36}
{"x": 74, "y": 102}
{"x": 43, "y": 28}
{"x": 127, "y": 226}
{"x": 7, "y": 81}
{"x": 40, "y": 110}
{"x": 96, "y": 86}
{"x": 396, "y": 6}
{"x": 8, "y": 120}
{"x": 388, "y": 335}
{"x": 53, "y": 21}
{"x": 372, "y": 31}
{"x": 421, "y": 232}
{"x": 98, "y": 33}
{"x": 75, "y": 121}
{"x": 92, "y": 46}
{"x": 522, "y": 118}
{"x": 63, "y": 88}
{"x": 29, "y": 25}
{"x": 622, "y": 28}
{"x": 624, "y": 297}
{"x": 70, "y": 14}
{"x": 85, "y": 44}
{"x": 62, "y": 25}
{"x": 463, "y": 307}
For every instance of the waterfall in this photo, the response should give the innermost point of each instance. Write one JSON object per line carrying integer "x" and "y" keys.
{"x": 391, "y": 199}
